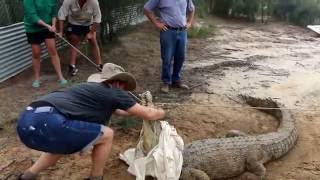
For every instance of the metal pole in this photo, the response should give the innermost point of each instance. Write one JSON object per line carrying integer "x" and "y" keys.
{"x": 86, "y": 57}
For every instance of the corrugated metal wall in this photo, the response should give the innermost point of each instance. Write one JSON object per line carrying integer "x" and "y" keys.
{"x": 15, "y": 52}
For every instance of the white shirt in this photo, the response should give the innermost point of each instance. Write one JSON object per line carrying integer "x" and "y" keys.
{"x": 85, "y": 16}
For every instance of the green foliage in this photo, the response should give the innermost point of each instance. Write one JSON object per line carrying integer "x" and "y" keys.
{"x": 126, "y": 122}
{"x": 267, "y": 7}
{"x": 305, "y": 14}
{"x": 282, "y": 8}
{"x": 237, "y": 8}
{"x": 202, "y": 8}
{"x": 210, "y": 4}
{"x": 301, "y": 12}
{"x": 251, "y": 9}
{"x": 222, "y": 7}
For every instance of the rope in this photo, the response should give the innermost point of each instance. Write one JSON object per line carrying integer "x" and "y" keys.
{"x": 235, "y": 107}
{"x": 224, "y": 106}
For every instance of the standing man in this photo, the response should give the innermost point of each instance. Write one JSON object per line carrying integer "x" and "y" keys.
{"x": 176, "y": 17}
{"x": 73, "y": 120}
{"x": 83, "y": 18}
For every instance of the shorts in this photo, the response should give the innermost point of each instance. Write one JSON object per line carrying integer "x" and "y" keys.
{"x": 78, "y": 30}
{"x": 45, "y": 129}
{"x": 40, "y": 36}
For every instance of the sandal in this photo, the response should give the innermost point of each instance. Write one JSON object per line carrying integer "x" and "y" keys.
{"x": 36, "y": 84}
{"x": 63, "y": 82}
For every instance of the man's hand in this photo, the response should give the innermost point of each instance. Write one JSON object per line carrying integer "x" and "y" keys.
{"x": 89, "y": 35}
{"x": 146, "y": 113}
{"x": 51, "y": 28}
{"x": 161, "y": 26}
{"x": 93, "y": 28}
{"x": 189, "y": 24}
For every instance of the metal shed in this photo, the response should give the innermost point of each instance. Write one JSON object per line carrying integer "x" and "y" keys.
{"x": 15, "y": 52}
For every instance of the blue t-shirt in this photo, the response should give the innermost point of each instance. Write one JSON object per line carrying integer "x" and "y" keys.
{"x": 91, "y": 102}
{"x": 173, "y": 12}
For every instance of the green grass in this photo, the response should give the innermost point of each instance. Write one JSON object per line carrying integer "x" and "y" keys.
{"x": 6, "y": 120}
{"x": 201, "y": 32}
{"x": 126, "y": 122}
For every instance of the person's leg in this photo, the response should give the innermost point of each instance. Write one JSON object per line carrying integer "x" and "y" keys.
{"x": 179, "y": 56}
{"x": 51, "y": 45}
{"x": 75, "y": 41}
{"x": 46, "y": 160}
{"x": 167, "y": 43}
{"x": 95, "y": 48}
{"x": 58, "y": 135}
{"x": 36, "y": 53}
{"x": 100, "y": 152}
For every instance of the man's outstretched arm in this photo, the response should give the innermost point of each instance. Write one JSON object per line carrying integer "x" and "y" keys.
{"x": 146, "y": 113}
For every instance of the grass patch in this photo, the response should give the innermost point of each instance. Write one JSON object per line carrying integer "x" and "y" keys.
{"x": 6, "y": 120}
{"x": 201, "y": 31}
{"x": 126, "y": 122}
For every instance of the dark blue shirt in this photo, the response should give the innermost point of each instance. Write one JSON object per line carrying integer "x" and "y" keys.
{"x": 91, "y": 102}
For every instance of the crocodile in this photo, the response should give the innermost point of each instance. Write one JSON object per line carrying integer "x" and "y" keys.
{"x": 231, "y": 156}
{"x": 150, "y": 132}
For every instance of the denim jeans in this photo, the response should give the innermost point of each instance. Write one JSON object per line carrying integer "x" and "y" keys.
{"x": 173, "y": 48}
{"x": 45, "y": 129}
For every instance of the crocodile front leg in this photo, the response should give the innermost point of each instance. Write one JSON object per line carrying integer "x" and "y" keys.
{"x": 193, "y": 174}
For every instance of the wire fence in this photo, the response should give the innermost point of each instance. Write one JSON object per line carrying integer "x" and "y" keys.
{"x": 11, "y": 11}
{"x": 117, "y": 15}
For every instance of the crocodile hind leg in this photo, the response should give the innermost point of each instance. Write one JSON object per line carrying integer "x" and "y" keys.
{"x": 193, "y": 174}
{"x": 254, "y": 163}
{"x": 257, "y": 171}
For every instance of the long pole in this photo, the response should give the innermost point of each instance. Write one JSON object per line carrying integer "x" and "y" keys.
{"x": 86, "y": 57}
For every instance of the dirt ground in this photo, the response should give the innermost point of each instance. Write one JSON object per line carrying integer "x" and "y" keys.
{"x": 274, "y": 60}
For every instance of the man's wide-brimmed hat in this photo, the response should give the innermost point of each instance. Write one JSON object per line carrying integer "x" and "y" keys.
{"x": 113, "y": 72}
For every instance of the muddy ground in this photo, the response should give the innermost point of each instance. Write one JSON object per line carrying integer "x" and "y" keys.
{"x": 274, "y": 60}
